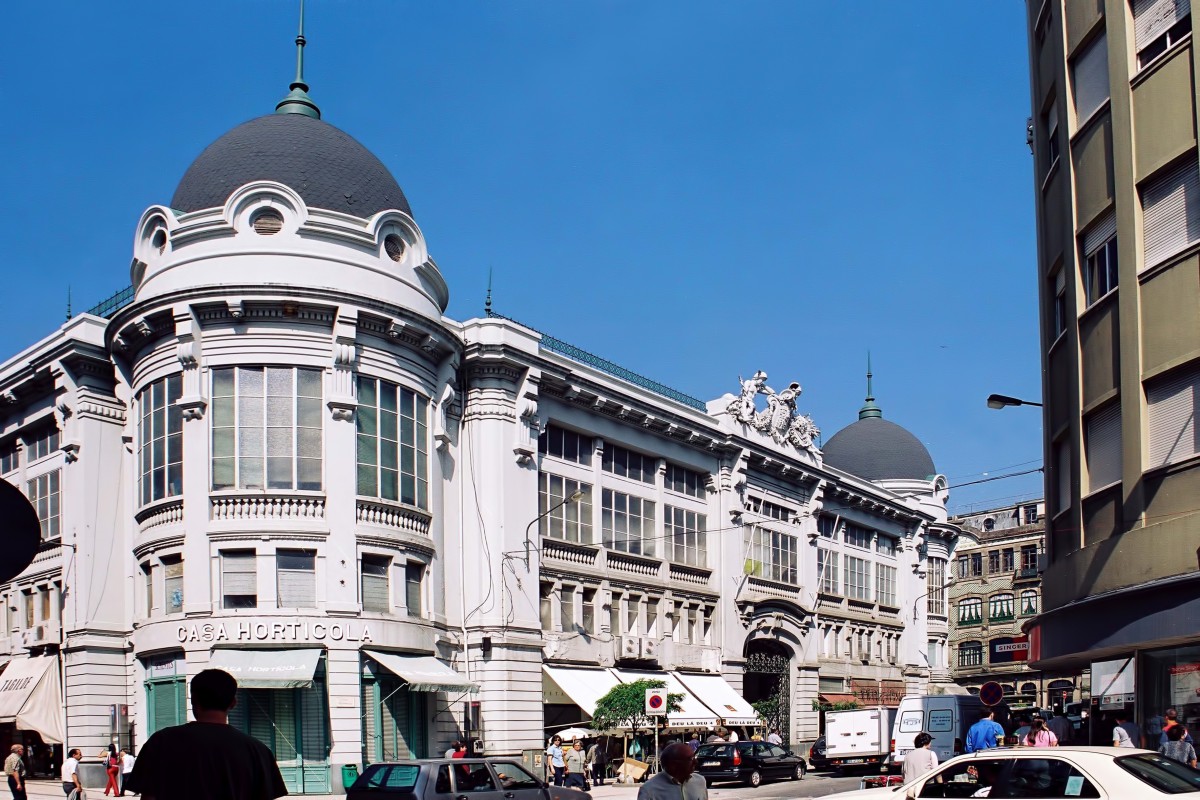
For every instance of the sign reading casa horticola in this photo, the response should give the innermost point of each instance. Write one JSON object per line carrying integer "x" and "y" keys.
{"x": 780, "y": 418}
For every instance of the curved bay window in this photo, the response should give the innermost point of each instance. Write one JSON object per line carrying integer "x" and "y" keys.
{"x": 1000, "y": 607}
{"x": 266, "y": 428}
{"x": 970, "y": 611}
{"x": 160, "y": 440}
{"x": 970, "y": 654}
{"x": 393, "y": 457}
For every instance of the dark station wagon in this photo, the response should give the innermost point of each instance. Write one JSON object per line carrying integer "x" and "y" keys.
{"x": 455, "y": 779}
{"x": 748, "y": 762}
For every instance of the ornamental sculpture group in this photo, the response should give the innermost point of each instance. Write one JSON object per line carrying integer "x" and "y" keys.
{"x": 780, "y": 418}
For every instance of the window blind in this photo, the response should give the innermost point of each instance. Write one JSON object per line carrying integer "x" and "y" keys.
{"x": 1171, "y": 418}
{"x": 1100, "y": 231}
{"x": 1089, "y": 76}
{"x": 1152, "y": 18}
{"x": 375, "y": 585}
{"x": 1104, "y": 447}
{"x": 238, "y": 574}
{"x": 1171, "y": 212}
{"x": 297, "y": 579}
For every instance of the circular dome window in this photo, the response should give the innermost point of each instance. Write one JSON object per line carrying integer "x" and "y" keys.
{"x": 267, "y": 223}
{"x": 159, "y": 240}
{"x": 393, "y": 245}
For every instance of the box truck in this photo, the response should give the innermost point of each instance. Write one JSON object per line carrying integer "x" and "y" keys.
{"x": 858, "y": 738}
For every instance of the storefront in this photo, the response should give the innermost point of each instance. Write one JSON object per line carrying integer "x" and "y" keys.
{"x": 31, "y": 711}
{"x": 398, "y": 701}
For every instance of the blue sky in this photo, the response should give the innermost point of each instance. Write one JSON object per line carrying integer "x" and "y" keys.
{"x": 692, "y": 189}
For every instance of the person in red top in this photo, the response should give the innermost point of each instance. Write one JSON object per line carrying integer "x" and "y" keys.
{"x": 460, "y": 750}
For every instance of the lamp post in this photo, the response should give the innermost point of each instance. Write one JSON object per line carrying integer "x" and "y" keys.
{"x": 574, "y": 497}
{"x": 949, "y": 582}
{"x": 998, "y": 401}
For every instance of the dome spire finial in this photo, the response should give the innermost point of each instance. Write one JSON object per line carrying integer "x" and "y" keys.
{"x": 297, "y": 100}
{"x": 869, "y": 409}
{"x": 487, "y": 304}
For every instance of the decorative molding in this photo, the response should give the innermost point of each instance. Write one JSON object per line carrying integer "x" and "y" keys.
{"x": 192, "y": 408}
{"x": 163, "y": 512}
{"x": 342, "y": 410}
{"x": 780, "y": 419}
{"x": 267, "y": 506}
{"x": 384, "y": 514}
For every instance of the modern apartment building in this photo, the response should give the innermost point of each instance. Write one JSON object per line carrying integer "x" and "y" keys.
{"x": 1113, "y": 133}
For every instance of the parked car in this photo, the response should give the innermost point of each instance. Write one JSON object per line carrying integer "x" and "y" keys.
{"x": 816, "y": 755}
{"x": 1097, "y": 772}
{"x": 748, "y": 762}
{"x": 481, "y": 778}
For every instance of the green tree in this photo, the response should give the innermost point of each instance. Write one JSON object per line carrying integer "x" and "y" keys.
{"x": 625, "y": 706}
{"x": 770, "y": 710}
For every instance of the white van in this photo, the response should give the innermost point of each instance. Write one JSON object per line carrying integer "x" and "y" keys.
{"x": 945, "y": 717}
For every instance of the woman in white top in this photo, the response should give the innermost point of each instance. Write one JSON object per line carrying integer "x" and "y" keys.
{"x": 920, "y": 760}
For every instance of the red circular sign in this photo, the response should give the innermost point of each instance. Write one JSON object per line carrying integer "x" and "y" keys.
{"x": 991, "y": 693}
{"x": 655, "y": 701}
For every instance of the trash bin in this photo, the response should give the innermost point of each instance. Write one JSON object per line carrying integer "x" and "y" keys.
{"x": 349, "y": 775}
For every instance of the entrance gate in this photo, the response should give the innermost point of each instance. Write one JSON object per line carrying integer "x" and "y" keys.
{"x": 768, "y": 678}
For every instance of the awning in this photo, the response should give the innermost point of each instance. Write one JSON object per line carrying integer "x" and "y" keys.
{"x": 832, "y": 699}
{"x": 269, "y": 669}
{"x": 716, "y": 693}
{"x": 583, "y": 687}
{"x": 31, "y": 697}
{"x": 691, "y": 714}
{"x": 423, "y": 673}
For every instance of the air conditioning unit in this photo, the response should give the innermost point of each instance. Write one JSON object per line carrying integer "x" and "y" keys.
{"x": 47, "y": 633}
{"x": 630, "y": 647}
{"x": 649, "y": 647}
{"x": 669, "y": 606}
{"x": 27, "y": 637}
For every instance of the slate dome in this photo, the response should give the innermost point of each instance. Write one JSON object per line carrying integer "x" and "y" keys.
{"x": 877, "y": 449}
{"x": 327, "y": 167}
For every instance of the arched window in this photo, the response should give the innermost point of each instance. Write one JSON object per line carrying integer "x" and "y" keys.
{"x": 970, "y": 611}
{"x": 1029, "y": 689}
{"x": 1000, "y": 607}
{"x": 970, "y": 654}
{"x": 1009, "y": 689}
{"x": 1029, "y": 602}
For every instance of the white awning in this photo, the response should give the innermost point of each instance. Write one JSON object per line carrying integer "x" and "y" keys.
{"x": 423, "y": 673}
{"x": 716, "y": 693}
{"x": 583, "y": 687}
{"x": 31, "y": 697}
{"x": 269, "y": 669}
{"x": 691, "y": 713}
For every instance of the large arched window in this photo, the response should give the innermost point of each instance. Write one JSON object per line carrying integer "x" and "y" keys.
{"x": 1000, "y": 607}
{"x": 970, "y": 654}
{"x": 1029, "y": 689}
{"x": 970, "y": 611}
{"x": 1029, "y": 602}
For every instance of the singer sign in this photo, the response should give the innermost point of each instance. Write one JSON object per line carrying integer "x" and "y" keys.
{"x": 1006, "y": 649}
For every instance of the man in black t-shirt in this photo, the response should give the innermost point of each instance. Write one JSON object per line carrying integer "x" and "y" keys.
{"x": 207, "y": 758}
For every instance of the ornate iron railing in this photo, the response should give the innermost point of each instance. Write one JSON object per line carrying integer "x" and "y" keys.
{"x": 113, "y": 304}
{"x": 604, "y": 365}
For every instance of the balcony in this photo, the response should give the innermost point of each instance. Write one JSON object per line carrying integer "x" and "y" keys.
{"x": 685, "y": 573}
{"x": 973, "y": 619}
{"x": 1026, "y": 574}
{"x": 1007, "y": 616}
{"x": 562, "y": 551}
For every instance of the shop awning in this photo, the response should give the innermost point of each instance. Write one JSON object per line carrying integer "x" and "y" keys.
{"x": 423, "y": 673}
{"x": 31, "y": 697}
{"x": 691, "y": 714}
{"x": 269, "y": 669}
{"x": 716, "y": 693}
{"x": 584, "y": 687}
{"x": 832, "y": 699}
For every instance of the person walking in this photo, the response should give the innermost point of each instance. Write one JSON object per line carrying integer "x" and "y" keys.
{"x": 127, "y": 762}
{"x": 694, "y": 741}
{"x": 1039, "y": 735}
{"x": 453, "y": 749}
{"x": 1178, "y": 749}
{"x": 112, "y": 769}
{"x": 597, "y": 760}
{"x": 554, "y": 760}
{"x": 576, "y": 766}
{"x": 1061, "y": 726}
{"x": 678, "y": 779}
{"x": 14, "y": 770}
{"x": 72, "y": 787}
{"x": 1171, "y": 722}
{"x": 206, "y": 758}
{"x": 982, "y": 735}
{"x": 774, "y": 738}
{"x": 1124, "y": 733}
{"x": 920, "y": 760}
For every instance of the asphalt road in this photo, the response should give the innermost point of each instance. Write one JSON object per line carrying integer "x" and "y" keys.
{"x": 815, "y": 784}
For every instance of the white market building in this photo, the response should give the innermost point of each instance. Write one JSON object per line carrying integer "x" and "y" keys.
{"x": 277, "y": 456}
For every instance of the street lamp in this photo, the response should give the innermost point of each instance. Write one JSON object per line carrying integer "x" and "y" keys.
{"x": 1002, "y": 400}
{"x": 574, "y": 497}
{"x": 947, "y": 585}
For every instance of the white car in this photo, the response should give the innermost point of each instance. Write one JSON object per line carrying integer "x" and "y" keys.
{"x": 1046, "y": 772}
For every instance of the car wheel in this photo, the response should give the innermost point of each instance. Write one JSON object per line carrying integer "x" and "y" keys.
{"x": 754, "y": 779}
{"x": 799, "y": 774}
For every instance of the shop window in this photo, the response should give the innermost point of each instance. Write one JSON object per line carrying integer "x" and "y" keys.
{"x": 173, "y": 584}
{"x": 160, "y": 439}
{"x": 395, "y": 719}
{"x": 239, "y": 579}
{"x": 375, "y": 591}
{"x": 166, "y": 702}
{"x": 414, "y": 578}
{"x": 294, "y": 725}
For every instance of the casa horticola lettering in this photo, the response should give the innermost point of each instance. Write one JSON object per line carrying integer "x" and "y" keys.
{"x": 274, "y": 632}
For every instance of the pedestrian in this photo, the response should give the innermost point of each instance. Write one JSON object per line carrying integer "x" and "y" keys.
{"x": 678, "y": 779}
{"x": 14, "y": 770}
{"x": 774, "y": 738}
{"x": 1178, "y": 749}
{"x": 452, "y": 749}
{"x": 112, "y": 769}
{"x": 1172, "y": 721}
{"x": 576, "y": 766}
{"x": 1025, "y": 724}
{"x": 729, "y": 734}
{"x": 1039, "y": 735}
{"x": 597, "y": 759}
{"x": 1125, "y": 734}
{"x": 983, "y": 733}
{"x": 920, "y": 760}
{"x": 1061, "y": 726}
{"x": 554, "y": 760}
{"x": 206, "y": 758}
{"x": 460, "y": 750}
{"x": 694, "y": 741}
{"x": 72, "y": 788}
{"x": 127, "y": 762}
{"x": 714, "y": 736}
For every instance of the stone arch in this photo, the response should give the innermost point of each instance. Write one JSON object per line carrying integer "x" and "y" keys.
{"x": 768, "y": 679}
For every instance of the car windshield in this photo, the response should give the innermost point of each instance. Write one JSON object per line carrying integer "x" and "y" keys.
{"x": 1162, "y": 773}
{"x": 389, "y": 776}
{"x": 714, "y": 751}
